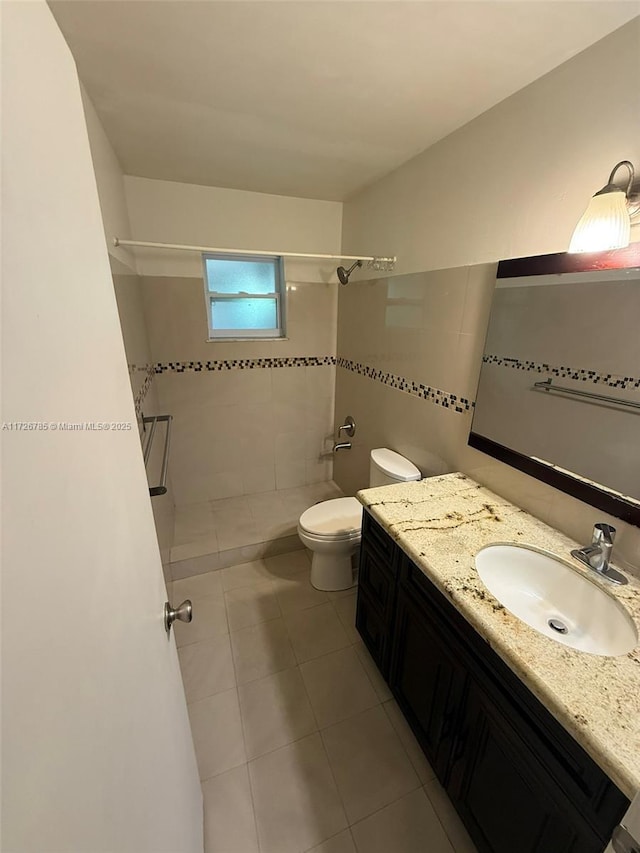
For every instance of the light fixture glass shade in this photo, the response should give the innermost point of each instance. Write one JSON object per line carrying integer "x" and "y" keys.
{"x": 604, "y": 225}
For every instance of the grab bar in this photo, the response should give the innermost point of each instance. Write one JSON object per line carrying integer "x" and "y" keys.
{"x": 160, "y": 489}
{"x": 547, "y": 386}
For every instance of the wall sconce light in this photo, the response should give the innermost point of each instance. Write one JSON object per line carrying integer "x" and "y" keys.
{"x": 606, "y": 223}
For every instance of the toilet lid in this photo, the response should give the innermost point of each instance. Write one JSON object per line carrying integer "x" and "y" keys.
{"x": 336, "y": 518}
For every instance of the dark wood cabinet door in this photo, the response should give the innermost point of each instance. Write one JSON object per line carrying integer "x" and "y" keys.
{"x": 426, "y": 681}
{"x": 374, "y": 631}
{"x": 504, "y": 795}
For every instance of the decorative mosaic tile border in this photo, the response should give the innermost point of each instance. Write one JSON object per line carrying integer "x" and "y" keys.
{"x": 231, "y": 364}
{"x": 424, "y": 392}
{"x": 244, "y": 364}
{"x": 609, "y": 379}
{"x": 138, "y": 399}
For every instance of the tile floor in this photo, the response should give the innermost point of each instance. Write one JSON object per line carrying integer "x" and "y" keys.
{"x": 233, "y": 529}
{"x": 299, "y": 743}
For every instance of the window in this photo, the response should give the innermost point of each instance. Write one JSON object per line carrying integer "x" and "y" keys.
{"x": 244, "y": 296}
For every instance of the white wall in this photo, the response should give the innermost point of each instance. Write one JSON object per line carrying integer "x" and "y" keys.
{"x": 110, "y": 181}
{"x": 128, "y": 290}
{"x": 96, "y": 748}
{"x": 514, "y": 181}
{"x": 167, "y": 212}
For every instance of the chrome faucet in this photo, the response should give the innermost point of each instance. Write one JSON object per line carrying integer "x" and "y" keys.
{"x": 597, "y": 556}
{"x": 344, "y": 445}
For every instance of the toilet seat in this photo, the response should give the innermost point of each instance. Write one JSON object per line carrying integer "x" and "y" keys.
{"x": 337, "y": 519}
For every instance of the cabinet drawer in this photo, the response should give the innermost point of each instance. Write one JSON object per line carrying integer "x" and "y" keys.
{"x": 378, "y": 542}
{"x": 373, "y": 631}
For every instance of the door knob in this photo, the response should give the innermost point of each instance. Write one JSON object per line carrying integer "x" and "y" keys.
{"x": 183, "y": 612}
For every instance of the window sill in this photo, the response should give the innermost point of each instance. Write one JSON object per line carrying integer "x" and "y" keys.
{"x": 243, "y": 340}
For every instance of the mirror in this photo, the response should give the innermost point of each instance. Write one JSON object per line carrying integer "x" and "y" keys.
{"x": 559, "y": 389}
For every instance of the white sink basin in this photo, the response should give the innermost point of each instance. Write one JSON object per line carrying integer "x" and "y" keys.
{"x": 556, "y": 600}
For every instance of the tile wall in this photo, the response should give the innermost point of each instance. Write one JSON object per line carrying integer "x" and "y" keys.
{"x": 249, "y": 416}
{"x": 128, "y": 290}
{"x": 421, "y": 338}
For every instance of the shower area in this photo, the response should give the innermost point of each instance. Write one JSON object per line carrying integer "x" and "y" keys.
{"x": 244, "y": 437}
{"x": 249, "y": 443}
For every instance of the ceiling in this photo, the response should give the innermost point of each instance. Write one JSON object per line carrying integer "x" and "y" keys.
{"x": 311, "y": 99}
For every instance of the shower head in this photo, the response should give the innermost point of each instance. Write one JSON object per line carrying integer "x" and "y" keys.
{"x": 344, "y": 274}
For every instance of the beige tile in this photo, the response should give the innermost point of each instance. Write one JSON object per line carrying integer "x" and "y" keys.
{"x": 409, "y": 825}
{"x": 230, "y": 510}
{"x": 296, "y": 593}
{"x": 237, "y": 535}
{"x": 379, "y": 684}
{"x": 261, "y": 650}
{"x": 275, "y": 711}
{"x": 477, "y": 305}
{"x": 290, "y": 446}
{"x": 315, "y": 632}
{"x": 200, "y": 565}
{"x": 245, "y": 574}
{"x": 217, "y": 733}
{"x": 207, "y": 668}
{"x": 224, "y": 484}
{"x": 345, "y": 607}
{"x": 229, "y": 822}
{"x": 453, "y": 826}
{"x": 414, "y": 751}
{"x": 240, "y": 556}
{"x": 196, "y": 548}
{"x": 369, "y": 763}
{"x": 291, "y": 474}
{"x": 319, "y": 469}
{"x": 295, "y": 798}
{"x": 282, "y": 546}
{"x": 250, "y": 605}
{"x": 288, "y": 385}
{"x": 193, "y": 521}
{"x": 335, "y": 594}
{"x": 271, "y": 531}
{"x": 209, "y": 620}
{"x": 198, "y": 586}
{"x": 337, "y": 686}
{"x": 291, "y": 563}
{"x": 341, "y": 843}
{"x": 260, "y": 478}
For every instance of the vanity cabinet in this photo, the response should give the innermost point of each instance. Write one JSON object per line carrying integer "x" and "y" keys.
{"x": 516, "y": 777}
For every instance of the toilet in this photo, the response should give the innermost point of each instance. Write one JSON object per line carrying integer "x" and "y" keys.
{"x": 331, "y": 530}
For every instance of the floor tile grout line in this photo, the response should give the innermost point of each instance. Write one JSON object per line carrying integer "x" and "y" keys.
{"x": 318, "y": 730}
{"x": 392, "y": 803}
{"x": 437, "y": 813}
{"x": 406, "y": 751}
{"x": 327, "y": 840}
{"x": 244, "y": 738}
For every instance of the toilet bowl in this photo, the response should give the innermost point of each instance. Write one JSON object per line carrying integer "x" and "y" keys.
{"x": 331, "y": 530}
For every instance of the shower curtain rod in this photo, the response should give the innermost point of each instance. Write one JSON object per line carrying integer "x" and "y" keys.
{"x": 141, "y": 244}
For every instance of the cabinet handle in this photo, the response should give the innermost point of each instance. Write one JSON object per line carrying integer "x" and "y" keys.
{"x": 460, "y": 745}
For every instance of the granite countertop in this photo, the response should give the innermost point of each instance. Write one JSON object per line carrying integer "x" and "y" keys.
{"x": 441, "y": 523}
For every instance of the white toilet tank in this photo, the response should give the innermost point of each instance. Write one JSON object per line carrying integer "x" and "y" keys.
{"x": 387, "y": 466}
